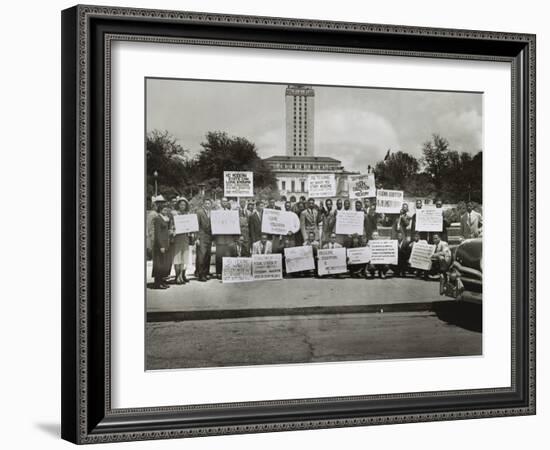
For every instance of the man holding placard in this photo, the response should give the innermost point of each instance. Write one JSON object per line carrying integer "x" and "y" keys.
{"x": 225, "y": 233}
{"x": 383, "y": 253}
{"x": 204, "y": 241}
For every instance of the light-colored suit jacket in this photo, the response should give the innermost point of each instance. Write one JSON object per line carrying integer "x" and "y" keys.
{"x": 257, "y": 248}
{"x": 470, "y": 225}
{"x": 309, "y": 221}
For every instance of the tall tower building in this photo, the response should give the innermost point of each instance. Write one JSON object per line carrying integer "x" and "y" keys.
{"x": 299, "y": 101}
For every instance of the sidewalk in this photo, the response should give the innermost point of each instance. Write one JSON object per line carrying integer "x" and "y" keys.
{"x": 293, "y": 296}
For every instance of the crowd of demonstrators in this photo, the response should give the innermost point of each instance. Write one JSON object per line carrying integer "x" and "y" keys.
{"x": 317, "y": 229}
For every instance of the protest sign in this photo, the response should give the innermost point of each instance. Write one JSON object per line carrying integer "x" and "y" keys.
{"x": 331, "y": 261}
{"x": 429, "y": 219}
{"x": 238, "y": 184}
{"x": 267, "y": 267}
{"x": 321, "y": 185}
{"x": 361, "y": 186}
{"x": 383, "y": 251}
{"x": 359, "y": 255}
{"x": 279, "y": 222}
{"x": 298, "y": 259}
{"x": 421, "y": 255}
{"x": 225, "y": 221}
{"x": 350, "y": 222}
{"x": 389, "y": 201}
{"x": 186, "y": 223}
{"x": 236, "y": 270}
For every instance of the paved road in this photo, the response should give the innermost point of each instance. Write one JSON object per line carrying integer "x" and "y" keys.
{"x": 214, "y": 298}
{"x": 450, "y": 330}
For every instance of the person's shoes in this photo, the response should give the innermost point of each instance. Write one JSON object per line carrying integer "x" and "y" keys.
{"x": 202, "y": 279}
{"x": 382, "y": 275}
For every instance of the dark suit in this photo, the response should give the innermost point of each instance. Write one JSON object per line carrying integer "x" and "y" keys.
{"x": 423, "y": 234}
{"x": 223, "y": 242}
{"x": 204, "y": 250}
{"x": 162, "y": 262}
{"x": 255, "y": 226}
{"x": 371, "y": 225}
{"x": 403, "y": 253}
{"x": 237, "y": 250}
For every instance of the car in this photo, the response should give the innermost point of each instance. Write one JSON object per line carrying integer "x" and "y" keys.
{"x": 465, "y": 274}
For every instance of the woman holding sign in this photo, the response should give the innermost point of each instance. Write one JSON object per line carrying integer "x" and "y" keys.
{"x": 181, "y": 244}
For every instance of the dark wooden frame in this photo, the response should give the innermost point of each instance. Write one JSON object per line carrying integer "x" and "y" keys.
{"x": 87, "y": 32}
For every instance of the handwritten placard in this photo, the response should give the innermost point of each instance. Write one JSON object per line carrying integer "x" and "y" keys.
{"x": 186, "y": 223}
{"x": 429, "y": 219}
{"x": 350, "y": 222}
{"x": 383, "y": 251}
{"x": 225, "y": 221}
{"x": 298, "y": 259}
{"x": 361, "y": 186}
{"x": 421, "y": 255}
{"x": 331, "y": 261}
{"x": 279, "y": 222}
{"x": 267, "y": 267}
{"x": 389, "y": 202}
{"x": 238, "y": 184}
{"x": 236, "y": 270}
{"x": 321, "y": 185}
{"x": 359, "y": 255}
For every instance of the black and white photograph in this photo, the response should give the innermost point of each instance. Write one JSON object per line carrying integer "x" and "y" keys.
{"x": 295, "y": 223}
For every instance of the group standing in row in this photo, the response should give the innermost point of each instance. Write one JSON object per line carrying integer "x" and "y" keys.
{"x": 317, "y": 228}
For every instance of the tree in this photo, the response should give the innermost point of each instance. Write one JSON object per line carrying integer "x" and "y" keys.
{"x": 395, "y": 170}
{"x": 435, "y": 159}
{"x": 166, "y": 157}
{"x": 221, "y": 152}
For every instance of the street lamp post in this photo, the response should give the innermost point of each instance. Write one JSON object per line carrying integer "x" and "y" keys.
{"x": 156, "y": 174}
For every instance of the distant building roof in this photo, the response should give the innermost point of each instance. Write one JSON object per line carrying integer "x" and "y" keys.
{"x": 303, "y": 159}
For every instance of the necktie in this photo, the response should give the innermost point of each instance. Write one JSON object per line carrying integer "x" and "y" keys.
{"x": 263, "y": 247}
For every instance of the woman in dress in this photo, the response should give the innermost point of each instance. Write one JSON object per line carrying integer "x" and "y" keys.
{"x": 181, "y": 244}
{"x": 162, "y": 259}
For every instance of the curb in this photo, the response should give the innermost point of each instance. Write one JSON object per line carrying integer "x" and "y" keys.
{"x": 178, "y": 316}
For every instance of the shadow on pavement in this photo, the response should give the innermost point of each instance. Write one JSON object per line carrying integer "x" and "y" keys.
{"x": 462, "y": 314}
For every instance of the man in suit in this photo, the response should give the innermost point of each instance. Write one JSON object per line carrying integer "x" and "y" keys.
{"x": 471, "y": 223}
{"x": 423, "y": 234}
{"x": 239, "y": 248}
{"x": 263, "y": 246}
{"x": 223, "y": 241}
{"x": 371, "y": 222}
{"x": 401, "y": 222}
{"x": 243, "y": 223}
{"x": 314, "y": 244}
{"x": 372, "y": 268}
{"x": 204, "y": 240}
{"x": 309, "y": 220}
{"x": 356, "y": 270}
{"x": 329, "y": 221}
{"x": 288, "y": 242}
{"x": 441, "y": 259}
{"x": 446, "y": 224}
{"x": 255, "y": 222}
{"x": 271, "y": 204}
{"x": 400, "y": 270}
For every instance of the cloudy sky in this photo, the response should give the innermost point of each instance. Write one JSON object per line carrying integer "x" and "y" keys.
{"x": 354, "y": 125}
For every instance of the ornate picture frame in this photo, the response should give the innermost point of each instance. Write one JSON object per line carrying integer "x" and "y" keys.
{"x": 87, "y": 35}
